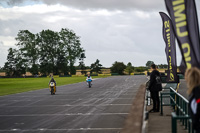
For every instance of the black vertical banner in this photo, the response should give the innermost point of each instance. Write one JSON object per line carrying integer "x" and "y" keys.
{"x": 170, "y": 50}
{"x": 193, "y": 27}
{"x": 184, "y": 19}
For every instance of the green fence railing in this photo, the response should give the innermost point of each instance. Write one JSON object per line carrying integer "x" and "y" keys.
{"x": 180, "y": 106}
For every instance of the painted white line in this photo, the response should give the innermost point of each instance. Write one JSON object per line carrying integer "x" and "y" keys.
{"x": 15, "y": 129}
{"x": 71, "y": 99}
{"x": 74, "y": 129}
{"x": 70, "y": 114}
{"x": 82, "y": 105}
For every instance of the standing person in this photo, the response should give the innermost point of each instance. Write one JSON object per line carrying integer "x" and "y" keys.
{"x": 154, "y": 89}
{"x": 192, "y": 77}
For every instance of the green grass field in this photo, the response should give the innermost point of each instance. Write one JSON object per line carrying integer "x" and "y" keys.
{"x": 17, "y": 85}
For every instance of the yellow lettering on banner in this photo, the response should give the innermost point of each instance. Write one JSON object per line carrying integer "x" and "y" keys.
{"x": 171, "y": 77}
{"x": 170, "y": 68}
{"x": 177, "y": 2}
{"x": 188, "y": 59}
{"x": 170, "y": 62}
{"x": 189, "y": 65}
{"x": 169, "y": 45}
{"x": 186, "y": 46}
{"x": 187, "y": 54}
{"x": 180, "y": 19}
{"x": 168, "y": 39}
{"x": 166, "y": 24}
{"x": 179, "y": 16}
{"x": 167, "y": 31}
{"x": 178, "y": 26}
{"x": 168, "y": 34}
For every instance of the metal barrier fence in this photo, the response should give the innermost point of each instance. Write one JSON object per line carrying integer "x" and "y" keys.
{"x": 180, "y": 106}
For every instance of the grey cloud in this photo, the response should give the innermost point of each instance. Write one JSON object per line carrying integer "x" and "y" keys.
{"x": 110, "y": 4}
{"x": 118, "y": 37}
{"x": 11, "y": 2}
{"x": 3, "y": 53}
{"x": 100, "y": 4}
{"x": 14, "y": 2}
{"x": 10, "y": 27}
{"x": 124, "y": 36}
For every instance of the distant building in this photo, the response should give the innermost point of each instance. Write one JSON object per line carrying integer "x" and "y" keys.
{"x": 2, "y": 74}
{"x": 103, "y": 71}
{"x": 106, "y": 71}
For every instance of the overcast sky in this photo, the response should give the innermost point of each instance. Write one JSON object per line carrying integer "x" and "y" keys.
{"x": 110, "y": 30}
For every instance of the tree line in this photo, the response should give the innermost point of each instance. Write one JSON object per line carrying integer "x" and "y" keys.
{"x": 56, "y": 52}
{"x": 45, "y": 52}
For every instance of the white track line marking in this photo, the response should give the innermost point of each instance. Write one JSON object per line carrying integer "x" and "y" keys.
{"x": 86, "y": 105}
{"x": 78, "y": 129}
{"x": 69, "y": 114}
{"x": 73, "y": 99}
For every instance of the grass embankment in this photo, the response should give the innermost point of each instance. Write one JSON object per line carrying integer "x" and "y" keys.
{"x": 17, "y": 85}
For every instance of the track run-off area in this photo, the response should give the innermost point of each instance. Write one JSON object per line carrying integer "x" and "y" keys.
{"x": 75, "y": 108}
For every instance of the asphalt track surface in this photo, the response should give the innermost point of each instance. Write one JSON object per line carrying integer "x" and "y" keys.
{"x": 74, "y": 109}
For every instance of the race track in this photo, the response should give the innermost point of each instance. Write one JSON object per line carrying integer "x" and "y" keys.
{"x": 74, "y": 109}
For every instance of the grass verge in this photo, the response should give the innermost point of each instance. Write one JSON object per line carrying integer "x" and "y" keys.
{"x": 17, "y": 85}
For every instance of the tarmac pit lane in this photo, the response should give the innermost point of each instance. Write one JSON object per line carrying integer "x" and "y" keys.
{"x": 74, "y": 109}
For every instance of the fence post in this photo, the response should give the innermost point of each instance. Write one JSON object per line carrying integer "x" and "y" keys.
{"x": 161, "y": 104}
{"x": 189, "y": 127}
{"x": 181, "y": 112}
{"x": 177, "y": 104}
{"x": 186, "y": 112}
{"x": 174, "y": 124}
{"x": 173, "y": 96}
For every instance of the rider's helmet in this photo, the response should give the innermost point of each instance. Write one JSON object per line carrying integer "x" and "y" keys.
{"x": 52, "y": 79}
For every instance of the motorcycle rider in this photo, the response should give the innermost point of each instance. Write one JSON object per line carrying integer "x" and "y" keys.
{"x": 89, "y": 78}
{"x": 52, "y": 80}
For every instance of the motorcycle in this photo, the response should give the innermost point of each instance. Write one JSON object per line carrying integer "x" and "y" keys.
{"x": 89, "y": 81}
{"x": 52, "y": 88}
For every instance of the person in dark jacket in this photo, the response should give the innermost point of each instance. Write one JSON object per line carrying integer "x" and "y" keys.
{"x": 153, "y": 89}
{"x": 192, "y": 77}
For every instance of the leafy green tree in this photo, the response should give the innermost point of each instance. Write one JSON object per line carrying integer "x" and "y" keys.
{"x": 148, "y": 64}
{"x": 9, "y": 65}
{"x": 20, "y": 65}
{"x": 118, "y": 67}
{"x": 15, "y": 65}
{"x": 163, "y": 66}
{"x": 46, "y": 52}
{"x": 59, "y": 51}
{"x": 82, "y": 64}
{"x": 2, "y": 69}
{"x": 72, "y": 46}
{"x": 96, "y": 67}
{"x": 48, "y": 42}
{"x": 28, "y": 46}
{"x": 129, "y": 68}
{"x": 62, "y": 64}
{"x": 140, "y": 69}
